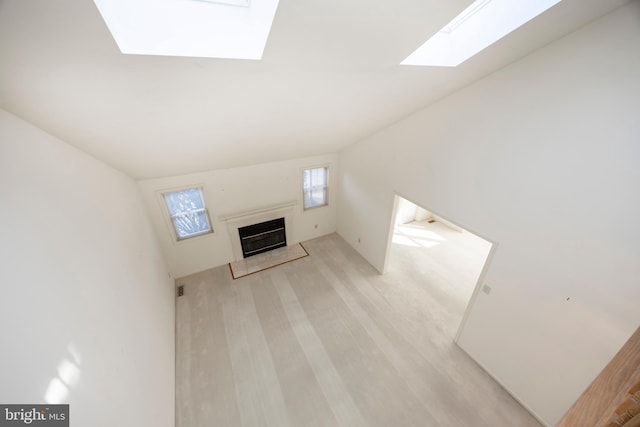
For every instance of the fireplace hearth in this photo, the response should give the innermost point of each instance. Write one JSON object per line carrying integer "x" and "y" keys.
{"x": 262, "y": 237}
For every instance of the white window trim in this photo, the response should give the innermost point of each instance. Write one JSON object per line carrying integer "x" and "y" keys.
{"x": 168, "y": 218}
{"x": 327, "y": 193}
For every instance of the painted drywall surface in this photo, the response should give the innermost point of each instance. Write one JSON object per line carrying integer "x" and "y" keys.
{"x": 405, "y": 212}
{"x": 540, "y": 157}
{"x": 231, "y": 191}
{"x": 87, "y": 305}
{"x": 423, "y": 214}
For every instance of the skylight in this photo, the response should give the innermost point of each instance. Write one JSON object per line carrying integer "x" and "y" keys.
{"x": 236, "y": 29}
{"x": 476, "y": 28}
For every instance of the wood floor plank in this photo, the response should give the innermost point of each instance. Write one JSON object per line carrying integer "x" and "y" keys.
{"x": 205, "y": 387}
{"x": 331, "y": 383}
{"x": 259, "y": 395}
{"x": 305, "y": 401}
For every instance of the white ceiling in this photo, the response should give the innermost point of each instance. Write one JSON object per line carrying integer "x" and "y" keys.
{"x": 330, "y": 75}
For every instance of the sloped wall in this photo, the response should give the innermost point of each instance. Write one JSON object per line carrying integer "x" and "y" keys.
{"x": 87, "y": 307}
{"x": 542, "y": 158}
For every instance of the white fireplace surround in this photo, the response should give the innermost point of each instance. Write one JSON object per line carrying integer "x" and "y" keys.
{"x": 242, "y": 219}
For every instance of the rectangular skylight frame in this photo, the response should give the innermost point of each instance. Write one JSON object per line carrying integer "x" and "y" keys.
{"x": 191, "y": 28}
{"x": 477, "y": 27}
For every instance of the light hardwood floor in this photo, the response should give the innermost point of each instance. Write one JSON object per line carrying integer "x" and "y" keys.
{"x": 445, "y": 263}
{"x": 327, "y": 341}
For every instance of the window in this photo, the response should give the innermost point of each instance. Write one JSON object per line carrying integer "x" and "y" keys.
{"x": 314, "y": 187}
{"x": 188, "y": 213}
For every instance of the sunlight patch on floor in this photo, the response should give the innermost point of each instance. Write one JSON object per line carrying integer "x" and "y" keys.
{"x": 415, "y": 236}
{"x": 418, "y": 231}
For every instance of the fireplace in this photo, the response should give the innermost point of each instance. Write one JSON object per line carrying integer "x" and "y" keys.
{"x": 236, "y": 221}
{"x": 262, "y": 237}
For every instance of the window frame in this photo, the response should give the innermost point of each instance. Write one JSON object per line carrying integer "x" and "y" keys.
{"x": 325, "y": 187}
{"x": 169, "y": 218}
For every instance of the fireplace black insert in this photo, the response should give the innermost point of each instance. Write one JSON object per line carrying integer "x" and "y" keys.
{"x": 262, "y": 237}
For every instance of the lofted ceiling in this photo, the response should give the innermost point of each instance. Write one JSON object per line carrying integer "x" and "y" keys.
{"x": 329, "y": 76}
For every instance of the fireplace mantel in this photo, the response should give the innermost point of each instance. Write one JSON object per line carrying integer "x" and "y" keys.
{"x": 249, "y": 213}
{"x": 253, "y": 216}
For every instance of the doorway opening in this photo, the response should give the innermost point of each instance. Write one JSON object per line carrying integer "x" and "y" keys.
{"x": 448, "y": 260}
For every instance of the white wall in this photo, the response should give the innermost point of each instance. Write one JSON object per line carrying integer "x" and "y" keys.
{"x": 86, "y": 298}
{"x": 542, "y": 158}
{"x": 230, "y": 191}
{"x": 405, "y": 212}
